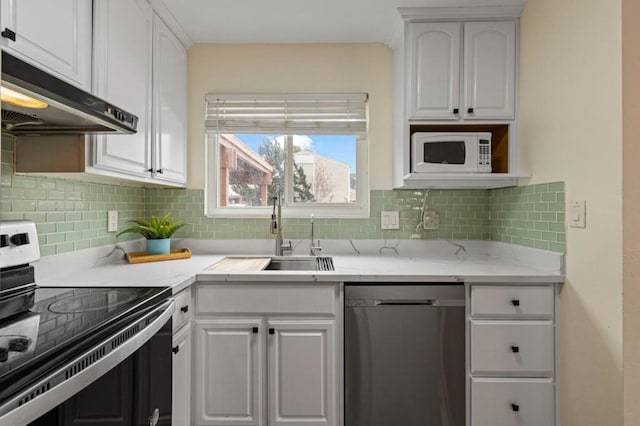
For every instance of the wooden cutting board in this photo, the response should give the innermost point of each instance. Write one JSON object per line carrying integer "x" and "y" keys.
{"x": 240, "y": 264}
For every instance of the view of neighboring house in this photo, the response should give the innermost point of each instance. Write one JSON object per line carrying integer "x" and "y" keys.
{"x": 330, "y": 179}
{"x": 239, "y": 165}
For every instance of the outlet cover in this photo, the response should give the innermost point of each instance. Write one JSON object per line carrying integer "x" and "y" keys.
{"x": 431, "y": 220}
{"x": 390, "y": 220}
{"x": 112, "y": 221}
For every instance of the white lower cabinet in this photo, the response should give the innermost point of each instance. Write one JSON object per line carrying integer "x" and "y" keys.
{"x": 301, "y": 359}
{"x": 229, "y": 372}
{"x": 256, "y": 366}
{"x": 512, "y": 349}
{"x": 510, "y": 402}
{"x": 181, "y": 399}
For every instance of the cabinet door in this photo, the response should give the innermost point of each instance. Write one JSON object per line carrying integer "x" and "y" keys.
{"x": 170, "y": 105}
{"x": 433, "y": 70}
{"x": 181, "y": 408}
{"x": 229, "y": 379}
{"x": 302, "y": 373}
{"x": 489, "y": 61}
{"x": 122, "y": 74}
{"x": 53, "y": 35}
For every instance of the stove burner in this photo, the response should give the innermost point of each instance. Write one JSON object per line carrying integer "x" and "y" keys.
{"x": 4, "y": 354}
{"x": 100, "y": 300}
{"x": 20, "y": 344}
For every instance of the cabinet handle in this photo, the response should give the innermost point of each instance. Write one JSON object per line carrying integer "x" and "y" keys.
{"x": 254, "y": 330}
{"x": 159, "y": 171}
{"x": 7, "y": 33}
{"x": 150, "y": 170}
{"x": 185, "y": 309}
{"x": 515, "y": 407}
{"x": 272, "y": 331}
{"x": 515, "y": 302}
{"x": 470, "y": 110}
{"x": 175, "y": 349}
{"x": 515, "y": 349}
{"x": 456, "y": 111}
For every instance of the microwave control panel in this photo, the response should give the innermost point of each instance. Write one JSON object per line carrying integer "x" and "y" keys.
{"x": 484, "y": 156}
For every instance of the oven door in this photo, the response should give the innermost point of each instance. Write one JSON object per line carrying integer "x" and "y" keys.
{"x": 133, "y": 385}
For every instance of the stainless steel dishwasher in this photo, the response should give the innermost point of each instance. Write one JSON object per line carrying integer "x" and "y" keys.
{"x": 404, "y": 355}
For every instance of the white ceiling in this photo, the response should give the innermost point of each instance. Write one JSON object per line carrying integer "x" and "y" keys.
{"x": 284, "y": 21}
{"x": 297, "y": 21}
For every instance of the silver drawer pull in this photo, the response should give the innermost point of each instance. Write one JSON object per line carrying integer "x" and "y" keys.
{"x": 408, "y": 302}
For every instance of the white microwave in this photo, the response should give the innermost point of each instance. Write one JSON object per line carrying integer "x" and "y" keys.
{"x": 450, "y": 152}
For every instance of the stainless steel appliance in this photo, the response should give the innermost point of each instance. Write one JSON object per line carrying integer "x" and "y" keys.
{"x": 64, "y": 357}
{"x": 404, "y": 355}
{"x": 36, "y": 102}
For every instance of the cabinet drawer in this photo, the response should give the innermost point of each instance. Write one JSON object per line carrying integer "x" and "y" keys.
{"x": 512, "y": 301}
{"x": 513, "y": 348}
{"x": 184, "y": 309}
{"x": 266, "y": 298}
{"x": 512, "y": 402}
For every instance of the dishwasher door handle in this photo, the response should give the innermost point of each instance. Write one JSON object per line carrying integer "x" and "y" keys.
{"x": 405, "y": 302}
{"x": 418, "y": 302}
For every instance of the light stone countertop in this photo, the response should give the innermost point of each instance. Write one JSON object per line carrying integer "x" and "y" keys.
{"x": 421, "y": 261}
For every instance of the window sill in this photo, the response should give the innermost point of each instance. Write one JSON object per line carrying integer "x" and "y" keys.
{"x": 319, "y": 212}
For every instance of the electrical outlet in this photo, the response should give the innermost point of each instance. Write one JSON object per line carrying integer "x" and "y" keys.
{"x": 390, "y": 220}
{"x": 112, "y": 221}
{"x": 430, "y": 220}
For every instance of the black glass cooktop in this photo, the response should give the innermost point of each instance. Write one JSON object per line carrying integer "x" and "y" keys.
{"x": 64, "y": 319}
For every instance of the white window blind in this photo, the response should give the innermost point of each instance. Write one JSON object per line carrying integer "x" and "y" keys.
{"x": 287, "y": 113}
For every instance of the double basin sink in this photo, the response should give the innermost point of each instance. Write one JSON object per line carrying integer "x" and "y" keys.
{"x": 300, "y": 264}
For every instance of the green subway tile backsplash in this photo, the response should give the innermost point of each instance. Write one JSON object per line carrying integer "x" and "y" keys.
{"x": 464, "y": 214}
{"x": 69, "y": 215}
{"x": 72, "y": 215}
{"x": 531, "y": 216}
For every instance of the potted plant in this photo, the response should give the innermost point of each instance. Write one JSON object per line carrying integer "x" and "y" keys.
{"x": 158, "y": 232}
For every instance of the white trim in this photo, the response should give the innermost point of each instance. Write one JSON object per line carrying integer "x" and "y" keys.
{"x": 170, "y": 21}
{"x": 475, "y": 13}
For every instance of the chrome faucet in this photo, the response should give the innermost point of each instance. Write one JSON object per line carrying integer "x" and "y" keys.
{"x": 276, "y": 226}
{"x": 314, "y": 249}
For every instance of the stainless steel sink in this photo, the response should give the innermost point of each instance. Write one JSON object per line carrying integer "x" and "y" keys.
{"x": 300, "y": 264}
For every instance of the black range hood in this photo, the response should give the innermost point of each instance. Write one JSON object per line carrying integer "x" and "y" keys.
{"x": 63, "y": 108}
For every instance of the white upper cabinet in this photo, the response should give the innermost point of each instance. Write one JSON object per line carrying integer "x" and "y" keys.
{"x": 489, "y": 71}
{"x": 434, "y": 64}
{"x": 460, "y": 70}
{"x": 53, "y": 35}
{"x": 140, "y": 66}
{"x": 169, "y": 106}
{"x": 122, "y": 74}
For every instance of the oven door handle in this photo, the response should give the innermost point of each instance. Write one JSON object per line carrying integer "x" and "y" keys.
{"x": 39, "y": 398}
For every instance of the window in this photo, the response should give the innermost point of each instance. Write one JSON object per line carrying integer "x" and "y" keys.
{"x": 311, "y": 148}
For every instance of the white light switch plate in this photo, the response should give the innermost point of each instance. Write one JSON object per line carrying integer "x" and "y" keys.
{"x": 390, "y": 220}
{"x": 577, "y": 214}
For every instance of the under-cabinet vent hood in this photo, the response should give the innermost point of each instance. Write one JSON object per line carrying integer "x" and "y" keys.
{"x": 37, "y": 103}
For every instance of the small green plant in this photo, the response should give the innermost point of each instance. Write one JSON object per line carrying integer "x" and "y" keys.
{"x": 154, "y": 229}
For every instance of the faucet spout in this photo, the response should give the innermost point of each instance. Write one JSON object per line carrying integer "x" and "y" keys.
{"x": 314, "y": 249}
{"x": 276, "y": 226}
